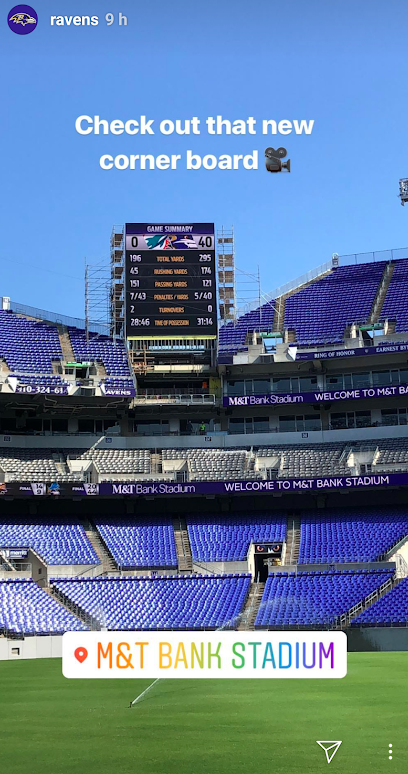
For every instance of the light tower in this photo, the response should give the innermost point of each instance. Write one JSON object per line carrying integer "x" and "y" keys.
{"x": 403, "y": 190}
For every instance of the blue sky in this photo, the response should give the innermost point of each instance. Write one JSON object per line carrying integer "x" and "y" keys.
{"x": 340, "y": 63}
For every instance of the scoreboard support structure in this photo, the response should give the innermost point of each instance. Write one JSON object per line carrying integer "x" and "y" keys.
{"x": 117, "y": 303}
{"x": 170, "y": 288}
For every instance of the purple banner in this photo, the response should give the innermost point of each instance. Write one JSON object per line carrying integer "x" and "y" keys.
{"x": 315, "y": 397}
{"x": 381, "y": 349}
{"x": 188, "y": 488}
{"x": 253, "y": 487}
{"x": 119, "y": 392}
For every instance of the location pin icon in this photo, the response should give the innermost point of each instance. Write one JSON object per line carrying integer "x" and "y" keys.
{"x": 81, "y": 654}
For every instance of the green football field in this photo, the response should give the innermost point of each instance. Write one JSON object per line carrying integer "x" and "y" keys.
{"x": 51, "y": 725}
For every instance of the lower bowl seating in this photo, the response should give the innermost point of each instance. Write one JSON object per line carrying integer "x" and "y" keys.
{"x": 168, "y": 602}
{"x": 317, "y": 599}
{"x": 25, "y": 608}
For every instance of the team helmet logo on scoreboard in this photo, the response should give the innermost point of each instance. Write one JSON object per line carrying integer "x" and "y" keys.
{"x": 22, "y": 19}
{"x": 169, "y": 242}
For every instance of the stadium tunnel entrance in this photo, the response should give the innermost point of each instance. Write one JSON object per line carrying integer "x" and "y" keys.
{"x": 262, "y": 556}
{"x": 261, "y": 569}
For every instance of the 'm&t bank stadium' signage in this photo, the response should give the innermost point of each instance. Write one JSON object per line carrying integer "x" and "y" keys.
{"x": 315, "y": 397}
{"x": 189, "y": 488}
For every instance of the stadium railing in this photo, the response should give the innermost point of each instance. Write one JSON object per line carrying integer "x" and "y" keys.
{"x": 58, "y": 319}
{"x": 344, "y": 620}
{"x": 343, "y": 260}
{"x": 393, "y": 254}
{"x": 191, "y": 398}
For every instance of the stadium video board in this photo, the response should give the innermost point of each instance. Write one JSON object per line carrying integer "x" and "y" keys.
{"x": 170, "y": 280}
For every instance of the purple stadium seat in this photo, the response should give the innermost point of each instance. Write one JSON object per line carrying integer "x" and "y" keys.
{"x": 321, "y": 312}
{"x": 315, "y": 598}
{"x": 395, "y": 305}
{"x": 147, "y": 542}
{"x": 358, "y": 535}
{"x": 217, "y": 538}
{"x": 167, "y": 602}
{"x": 57, "y": 541}
{"x": 25, "y": 608}
{"x": 390, "y": 610}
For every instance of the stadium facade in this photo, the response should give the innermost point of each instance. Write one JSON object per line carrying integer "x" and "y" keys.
{"x": 255, "y": 480}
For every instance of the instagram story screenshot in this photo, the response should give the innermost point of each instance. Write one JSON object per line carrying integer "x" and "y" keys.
{"x": 204, "y": 387}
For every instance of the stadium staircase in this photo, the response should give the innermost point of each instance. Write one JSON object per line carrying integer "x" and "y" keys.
{"x": 101, "y": 370}
{"x": 401, "y": 566}
{"x": 5, "y": 563}
{"x": 251, "y": 607}
{"x": 109, "y": 566}
{"x": 381, "y": 294}
{"x": 66, "y": 346}
{"x": 183, "y": 547}
{"x": 156, "y": 465}
{"x": 77, "y": 611}
{"x": 399, "y": 554}
{"x": 279, "y": 315}
{"x": 250, "y": 461}
{"x": 343, "y": 622}
{"x": 292, "y": 540}
{"x": 4, "y": 369}
{"x": 290, "y": 336}
{"x": 62, "y": 468}
{"x": 280, "y": 301}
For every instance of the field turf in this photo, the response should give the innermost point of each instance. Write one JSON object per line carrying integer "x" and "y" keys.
{"x": 51, "y": 725}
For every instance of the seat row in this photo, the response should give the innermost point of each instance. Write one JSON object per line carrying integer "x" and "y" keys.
{"x": 144, "y": 541}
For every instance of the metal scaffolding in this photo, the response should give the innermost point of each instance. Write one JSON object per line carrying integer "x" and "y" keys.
{"x": 403, "y": 190}
{"x": 226, "y": 275}
{"x": 97, "y": 297}
{"x": 117, "y": 274}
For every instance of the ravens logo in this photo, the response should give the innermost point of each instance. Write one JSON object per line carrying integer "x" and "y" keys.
{"x": 23, "y": 18}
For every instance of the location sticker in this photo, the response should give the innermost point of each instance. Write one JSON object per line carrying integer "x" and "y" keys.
{"x": 210, "y": 654}
{"x": 81, "y": 654}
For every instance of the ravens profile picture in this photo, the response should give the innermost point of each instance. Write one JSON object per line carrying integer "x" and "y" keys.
{"x": 23, "y": 18}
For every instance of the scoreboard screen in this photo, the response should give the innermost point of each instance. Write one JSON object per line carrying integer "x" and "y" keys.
{"x": 170, "y": 280}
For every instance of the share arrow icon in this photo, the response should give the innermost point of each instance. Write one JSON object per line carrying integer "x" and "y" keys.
{"x": 330, "y": 749}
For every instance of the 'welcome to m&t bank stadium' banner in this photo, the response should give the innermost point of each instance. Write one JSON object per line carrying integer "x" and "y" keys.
{"x": 200, "y": 488}
{"x": 273, "y": 399}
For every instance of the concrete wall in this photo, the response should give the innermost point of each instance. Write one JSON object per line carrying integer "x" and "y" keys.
{"x": 377, "y": 639}
{"x": 68, "y": 570}
{"x": 30, "y": 647}
{"x": 203, "y": 568}
{"x": 93, "y": 571}
{"x": 173, "y": 466}
{"x": 79, "y": 466}
{"x": 149, "y": 573}
{"x": 388, "y": 565}
{"x": 401, "y": 549}
{"x": 38, "y": 568}
{"x": 133, "y": 477}
{"x": 10, "y": 575}
{"x": 209, "y": 441}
